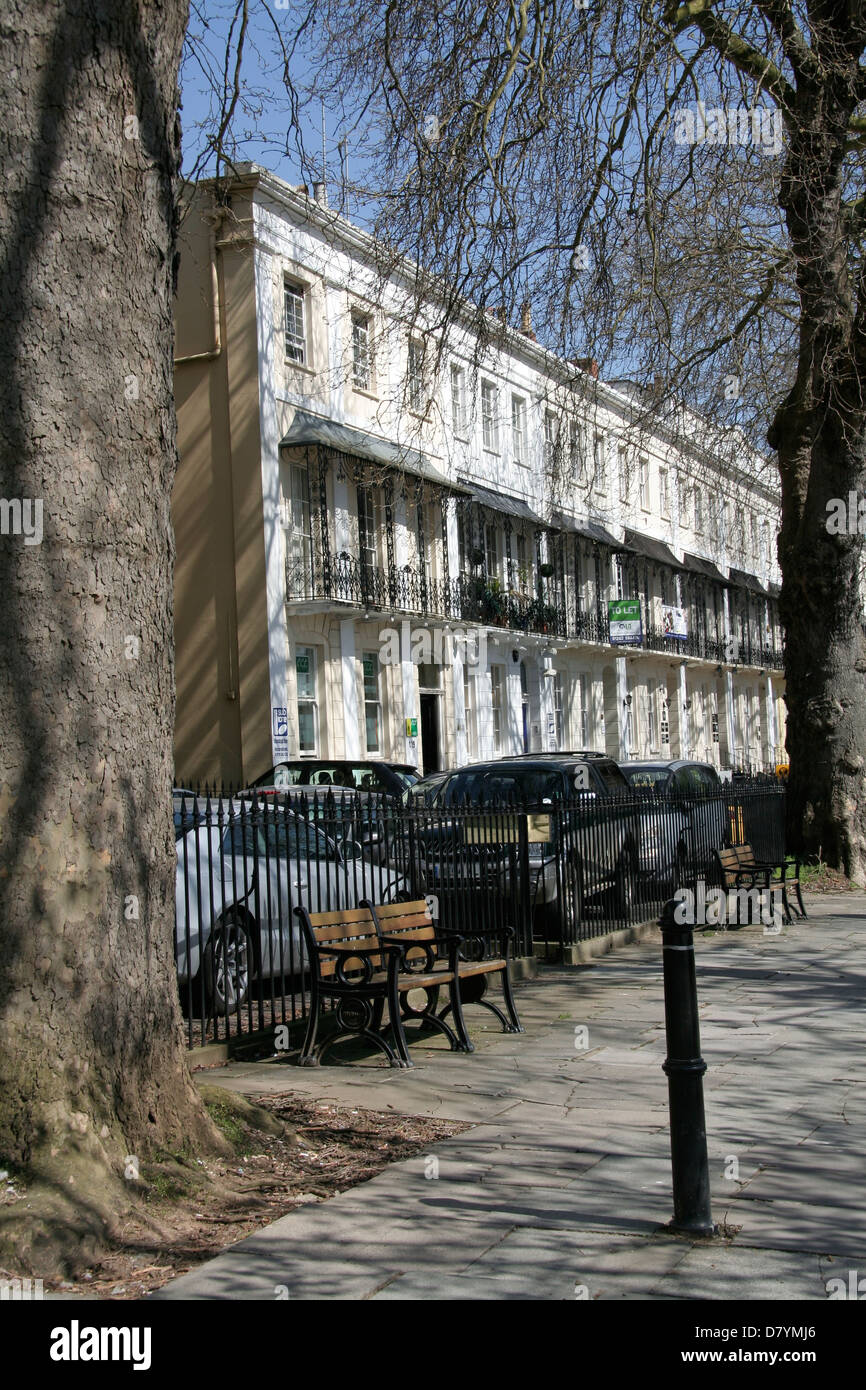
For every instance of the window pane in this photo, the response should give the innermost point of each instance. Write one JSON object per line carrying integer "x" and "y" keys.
{"x": 305, "y": 665}
{"x": 306, "y": 727}
{"x": 361, "y": 353}
{"x": 372, "y": 727}
{"x": 295, "y": 335}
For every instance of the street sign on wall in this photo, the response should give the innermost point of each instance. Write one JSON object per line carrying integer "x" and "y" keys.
{"x": 623, "y": 615}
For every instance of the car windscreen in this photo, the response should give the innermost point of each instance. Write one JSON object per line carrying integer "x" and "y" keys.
{"x": 652, "y": 778}
{"x": 522, "y": 786}
{"x": 276, "y": 838}
{"x": 611, "y": 778}
{"x": 405, "y": 777}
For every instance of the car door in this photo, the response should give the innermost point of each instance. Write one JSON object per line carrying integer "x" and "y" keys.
{"x": 206, "y": 882}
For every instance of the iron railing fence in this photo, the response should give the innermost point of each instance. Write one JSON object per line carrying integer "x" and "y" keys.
{"x": 556, "y": 874}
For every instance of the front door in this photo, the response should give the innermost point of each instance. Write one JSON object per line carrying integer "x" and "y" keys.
{"x": 430, "y": 732}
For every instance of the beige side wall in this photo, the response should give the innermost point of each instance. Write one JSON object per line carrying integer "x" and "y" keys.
{"x": 223, "y": 690}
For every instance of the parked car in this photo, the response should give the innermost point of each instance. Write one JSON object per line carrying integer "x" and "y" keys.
{"x": 238, "y": 879}
{"x": 579, "y": 846}
{"x": 342, "y": 813}
{"x": 425, "y": 791}
{"x": 389, "y": 779}
{"x": 685, "y": 820}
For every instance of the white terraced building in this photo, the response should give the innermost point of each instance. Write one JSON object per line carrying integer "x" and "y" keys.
{"x": 397, "y": 544}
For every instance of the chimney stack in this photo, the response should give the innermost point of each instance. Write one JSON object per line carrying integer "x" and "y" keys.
{"x": 320, "y": 194}
{"x": 526, "y": 320}
{"x": 587, "y": 364}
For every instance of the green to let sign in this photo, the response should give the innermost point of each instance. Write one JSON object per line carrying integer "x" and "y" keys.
{"x": 623, "y": 616}
{"x": 411, "y": 728}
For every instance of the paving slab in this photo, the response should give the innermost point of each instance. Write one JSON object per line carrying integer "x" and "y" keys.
{"x": 561, "y": 1188}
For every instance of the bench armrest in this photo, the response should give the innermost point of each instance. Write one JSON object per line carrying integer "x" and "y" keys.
{"x": 504, "y": 934}
{"x": 405, "y": 944}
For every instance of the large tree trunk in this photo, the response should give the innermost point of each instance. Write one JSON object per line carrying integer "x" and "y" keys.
{"x": 820, "y": 434}
{"x": 92, "y": 1065}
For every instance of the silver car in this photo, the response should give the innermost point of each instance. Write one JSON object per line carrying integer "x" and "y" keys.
{"x": 684, "y": 819}
{"x": 240, "y": 876}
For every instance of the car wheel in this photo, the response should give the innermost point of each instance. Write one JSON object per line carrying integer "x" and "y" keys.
{"x": 227, "y": 963}
{"x": 563, "y": 917}
{"x": 623, "y": 892}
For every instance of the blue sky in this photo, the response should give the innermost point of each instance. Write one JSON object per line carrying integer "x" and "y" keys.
{"x": 263, "y": 128}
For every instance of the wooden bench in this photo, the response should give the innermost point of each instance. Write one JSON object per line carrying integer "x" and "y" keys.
{"x": 401, "y": 922}
{"x": 740, "y": 868}
{"x": 365, "y": 957}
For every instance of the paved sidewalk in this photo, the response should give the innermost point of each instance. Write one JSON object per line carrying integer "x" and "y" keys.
{"x": 562, "y": 1187}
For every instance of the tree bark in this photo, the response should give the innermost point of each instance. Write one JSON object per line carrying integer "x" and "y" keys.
{"x": 820, "y": 434}
{"x": 92, "y": 1063}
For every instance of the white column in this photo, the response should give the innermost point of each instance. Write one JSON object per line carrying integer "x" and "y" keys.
{"x": 513, "y": 740}
{"x": 461, "y": 733}
{"x": 484, "y": 712}
{"x": 351, "y": 720}
{"x": 548, "y": 711}
{"x": 685, "y": 739}
{"x": 729, "y": 715}
{"x": 772, "y": 731}
{"x": 409, "y": 681}
{"x": 622, "y": 709}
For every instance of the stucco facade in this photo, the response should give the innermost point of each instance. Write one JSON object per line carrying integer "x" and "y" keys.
{"x": 393, "y": 543}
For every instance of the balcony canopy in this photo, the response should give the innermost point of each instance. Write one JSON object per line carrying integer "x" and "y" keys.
{"x": 344, "y": 439}
{"x": 698, "y": 565}
{"x": 593, "y": 530}
{"x": 651, "y": 549}
{"x": 744, "y": 580}
{"x": 500, "y": 502}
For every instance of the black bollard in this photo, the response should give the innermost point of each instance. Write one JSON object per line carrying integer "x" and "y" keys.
{"x": 685, "y": 1069}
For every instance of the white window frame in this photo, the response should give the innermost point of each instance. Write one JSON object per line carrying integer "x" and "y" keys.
{"x": 645, "y": 498}
{"x": 362, "y": 351}
{"x": 622, "y": 460}
{"x": 490, "y": 416}
{"x": 497, "y": 705}
{"x": 415, "y": 376}
{"x": 459, "y": 422}
{"x": 599, "y": 463}
{"x": 469, "y": 714}
{"x": 582, "y": 688}
{"x": 574, "y": 448}
{"x": 559, "y": 711}
{"x": 518, "y": 429}
{"x": 295, "y": 343}
{"x": 699, "y": 512}
{"x": 551, "y": 438}
{"x": 664, "y": 494}
{"x": 374, "y": 703}
{"x": 311, "y": 701}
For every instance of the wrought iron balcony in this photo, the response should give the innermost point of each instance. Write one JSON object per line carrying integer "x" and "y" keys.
{"x": 477, "y": 598}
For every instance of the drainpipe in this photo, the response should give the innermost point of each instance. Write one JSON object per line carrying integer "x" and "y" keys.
{"x": 215, "y": 351}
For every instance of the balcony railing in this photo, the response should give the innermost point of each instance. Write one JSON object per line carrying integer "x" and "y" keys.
{"x": 474, "y": 598}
